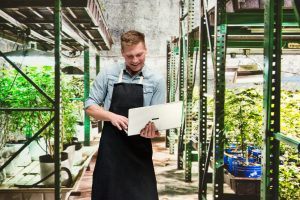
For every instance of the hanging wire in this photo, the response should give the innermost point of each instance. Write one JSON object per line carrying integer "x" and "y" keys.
{"x": 75, "y": 56}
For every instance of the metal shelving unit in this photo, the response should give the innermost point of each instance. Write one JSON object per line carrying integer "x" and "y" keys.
{"x": 59, "y": 25}
{"x": 232, "y": 24}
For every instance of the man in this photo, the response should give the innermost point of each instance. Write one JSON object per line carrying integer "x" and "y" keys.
{"x": 124, "y": 168}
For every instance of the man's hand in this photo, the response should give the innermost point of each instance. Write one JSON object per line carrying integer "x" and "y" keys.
{"x": 149, "y": 131}
{"x": 99, "y": 113}
{"x": 119, "y": 121}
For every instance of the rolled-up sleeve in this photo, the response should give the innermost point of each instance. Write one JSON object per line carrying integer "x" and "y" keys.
{"x": 159, "y": 96}
{"x": 98, "y": 91}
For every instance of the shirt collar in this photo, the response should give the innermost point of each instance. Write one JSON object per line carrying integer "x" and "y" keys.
{"x": 140, "y": 73}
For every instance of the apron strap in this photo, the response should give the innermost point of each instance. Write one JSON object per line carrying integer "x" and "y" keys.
{"x": 121, "y": 77}
{"x": 141, "y": 80}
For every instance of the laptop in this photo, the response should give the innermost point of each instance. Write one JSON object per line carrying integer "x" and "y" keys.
{"x": 165, "y": 116}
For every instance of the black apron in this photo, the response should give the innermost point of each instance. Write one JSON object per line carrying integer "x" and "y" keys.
{"x": 124, "y": 168}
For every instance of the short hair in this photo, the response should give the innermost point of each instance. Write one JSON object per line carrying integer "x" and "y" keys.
{"x": 132, "y": 37}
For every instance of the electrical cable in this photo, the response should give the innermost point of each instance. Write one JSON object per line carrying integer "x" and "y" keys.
{"x": 75, "y": 56}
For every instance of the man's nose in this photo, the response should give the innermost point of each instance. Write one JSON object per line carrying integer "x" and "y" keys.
{"x": 135, "y": 59}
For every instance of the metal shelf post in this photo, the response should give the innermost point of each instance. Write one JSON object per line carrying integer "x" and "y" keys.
{"x": 87, "y": 122}
{"x": 189, "y": 95}
{"x": 202, "y": 145}
{"x": 182, "y": 72}
{"x": 168, "y": 85}
{"x": 57, "y": 105}
{"x": 219, "y": 94}
{"x": 272, "y": 84}
{"x": 172, "y": 132}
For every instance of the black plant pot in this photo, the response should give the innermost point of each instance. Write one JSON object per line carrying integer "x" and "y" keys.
{"x": 49, "y": 159}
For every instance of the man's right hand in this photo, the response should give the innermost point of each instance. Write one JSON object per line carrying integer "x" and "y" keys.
{"x": 119, "y": 121}
{"x": 99, "y": 113}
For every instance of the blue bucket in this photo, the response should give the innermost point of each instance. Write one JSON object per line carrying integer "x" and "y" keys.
{"x": 249, "y": 149}
{"x": 230, "y": 153}
{"x": 256, "y": 152}
{"x": 233, "y": 151}
{"x": 250, "y": 171}
{"x": 238, "y": 161}
{"x": 232, "y": 163}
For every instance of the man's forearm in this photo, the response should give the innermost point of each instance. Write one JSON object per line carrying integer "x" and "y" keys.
{"x": 98, "y": 113}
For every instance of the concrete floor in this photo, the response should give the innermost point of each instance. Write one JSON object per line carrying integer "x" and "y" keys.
{"x": 170, "y": 181}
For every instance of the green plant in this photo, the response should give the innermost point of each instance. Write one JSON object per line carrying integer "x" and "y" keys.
{"x": 243, "y": 117}
{"x": 17, "y": 92}
{"x": 289, "y": 181}
{"x": 244, "y": 124}
{"x": 290, "y": 125}
{"x": 72, "y": 87}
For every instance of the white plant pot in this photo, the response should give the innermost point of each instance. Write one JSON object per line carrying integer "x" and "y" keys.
{"x": 2, "y": 173}
{"x": 2, "y": 176}
{"x": 71, "y": 154}
{"x": 23, "y": 159}
{"x": 11, "y": 169}
{"x": 78, "y": 157}
{"x": 37, "y": 148}
{"x": 47, "y": 167}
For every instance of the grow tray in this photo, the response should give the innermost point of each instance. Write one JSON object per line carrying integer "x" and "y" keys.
{"x": 30, "y": 174}
{"x": 243, "y": 185}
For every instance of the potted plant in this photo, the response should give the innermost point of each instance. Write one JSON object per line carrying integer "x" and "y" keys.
{"x": 243, "y": 122}
{"x": 68, "y": 130}
{"x": 17, "y": 92}
{"x": 72, "y": 88}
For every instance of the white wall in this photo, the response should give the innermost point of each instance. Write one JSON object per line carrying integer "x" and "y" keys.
{"x": 157, "y": 19}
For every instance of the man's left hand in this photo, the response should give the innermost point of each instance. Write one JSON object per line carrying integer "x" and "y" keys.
{"x": 149, "y": 131}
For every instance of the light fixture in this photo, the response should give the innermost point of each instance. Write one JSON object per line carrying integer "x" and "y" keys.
{"x": 246, "y": 52}
{"x": 233, "y": 55}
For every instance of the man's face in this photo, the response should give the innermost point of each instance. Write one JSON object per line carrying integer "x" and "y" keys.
{"x": 134, "y": 56}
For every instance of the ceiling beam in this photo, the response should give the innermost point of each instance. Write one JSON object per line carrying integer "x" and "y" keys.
{"x": 257, "y": 18}
{"x": 26, "y": 29}
{"x": 73, "y": 32}
{"x": 39, "y": 3}
{"x": 46, "y": 21}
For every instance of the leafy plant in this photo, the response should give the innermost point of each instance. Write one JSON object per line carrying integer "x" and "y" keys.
{"x": 72, "y": 87}
{"x": 244, "y": 124}
{"x": 290, "y": 125}
{"x": 289, "y": 181}
{"x": 17, "y": 92}
{"x": 243, "y": 117}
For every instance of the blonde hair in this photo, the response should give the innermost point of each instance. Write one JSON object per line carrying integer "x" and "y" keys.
{"x": 132, "y": 37}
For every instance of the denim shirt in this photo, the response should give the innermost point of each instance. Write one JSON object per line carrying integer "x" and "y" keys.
{"x": 102, "y": 89}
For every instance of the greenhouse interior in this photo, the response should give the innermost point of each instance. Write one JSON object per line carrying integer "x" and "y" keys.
{"x": 232, "y": 66}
